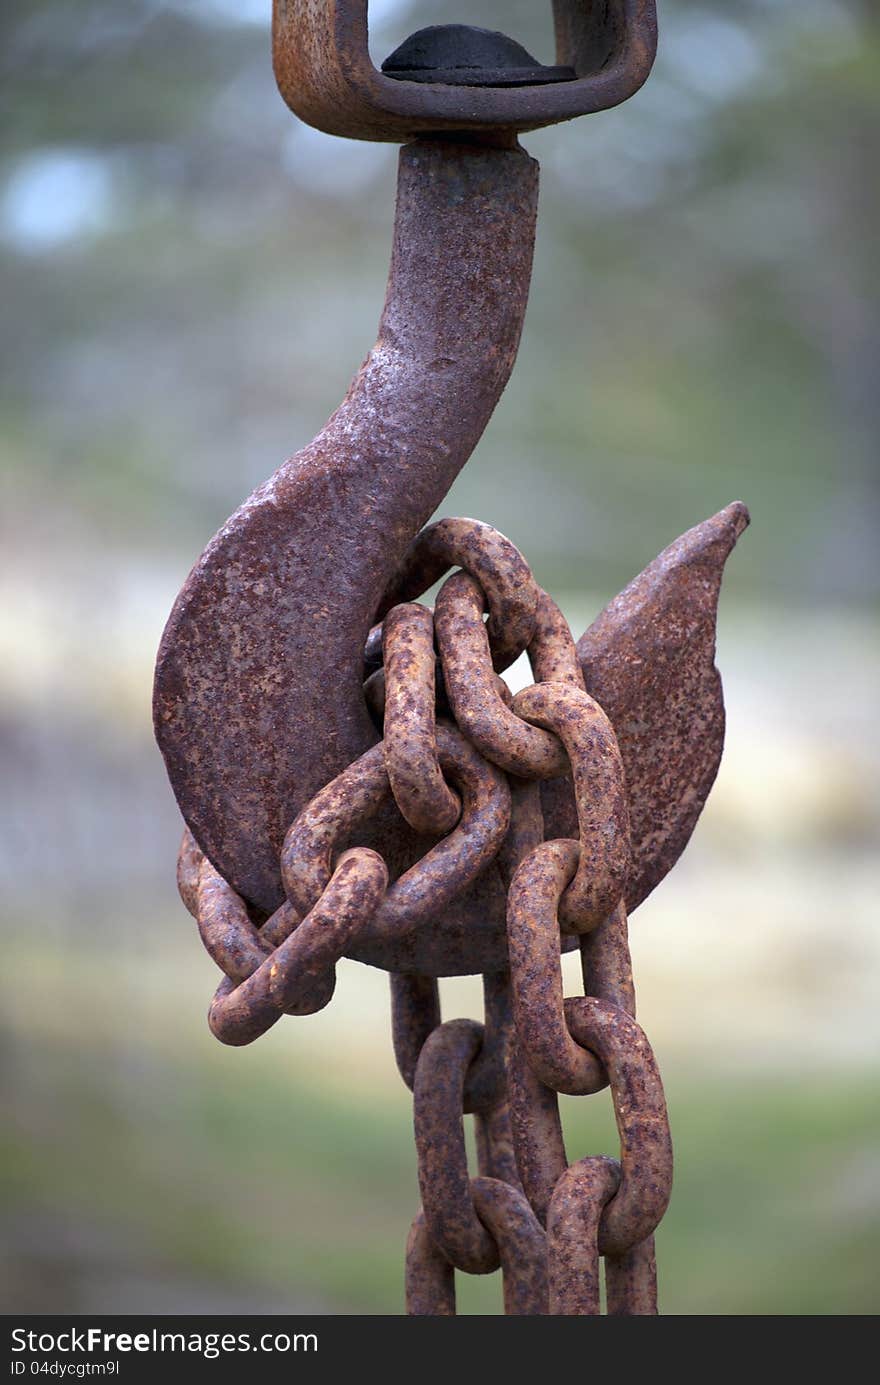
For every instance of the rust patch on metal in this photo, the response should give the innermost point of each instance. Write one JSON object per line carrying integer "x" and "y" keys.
{"x": 642, "y": 1123}
{"x": 522, "y": 1245}
{"x": 443, "y": 872}
{"x": 533, "y": 940}
{"x": 258, "y": 694}
{"x": 649, "y": 661}
{"x": 572, "y": 1233}
{"x": 351, "y": 791}
{"x": 552, "y": 651}
{"x": 438, "y": 1102}
{"x": 499, "y": 573}
{"x": 537, "y": 1131}
{"x": 483, "y": 715}
{"x": 430, "y": 1278}
{"x": 409, "y": 735}
{"x": 631, "y": 1282}
{"x": 600, "y": 799}
{"x": 325, "y": 74}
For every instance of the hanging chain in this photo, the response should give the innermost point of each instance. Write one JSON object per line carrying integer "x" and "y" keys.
{"x": 463, "y": 760}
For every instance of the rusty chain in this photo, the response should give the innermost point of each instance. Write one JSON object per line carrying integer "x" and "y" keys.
{"x": 463, "y": 761}
{"x": 393, "y": 802}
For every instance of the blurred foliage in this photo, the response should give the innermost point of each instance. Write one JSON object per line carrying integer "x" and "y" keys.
{"x": 703, "y": 320}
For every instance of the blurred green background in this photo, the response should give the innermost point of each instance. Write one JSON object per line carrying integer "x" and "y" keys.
{"x": 189, "y": 279}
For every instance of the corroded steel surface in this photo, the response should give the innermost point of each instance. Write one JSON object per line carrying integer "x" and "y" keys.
{"x": 605, "y": 961}
{"x": 489, "y": 724}
{"x": 533, "y": 938}
{"x": 600, "y": 799}
{"x": 649, "y": 660}
{"x": 537, "y": 1131}
{"x": 325, "y": 74}
{"x": 521, "y": 1242}
{"x": 640, "y": 1112}
{"x": 357, "y": 777}
{"x": 298, "y": 976}
{"x": 573, "y": 1225}
{"x": 258, "y": 697}
{"x": 631, "y": 1282}
{"x": 500, "y": 572}
{"x": 547, "y": 1225}
{"x": 552, "y": 651}
{"x": 436, "y": 879}
{"x": 415, "y": 1012}
{"x": 430, "y": 1278}
{"x": 409, "y": 734}
{"x": 444, "y": 1181}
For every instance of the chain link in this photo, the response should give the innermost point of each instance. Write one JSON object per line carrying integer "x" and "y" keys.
{"x": 464, "y": 761}
{"x": 410, "y": 738}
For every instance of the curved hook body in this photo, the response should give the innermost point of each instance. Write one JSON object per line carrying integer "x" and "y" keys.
{"x": 258, "y": 694}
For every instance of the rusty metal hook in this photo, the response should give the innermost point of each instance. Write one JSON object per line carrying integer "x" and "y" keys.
{"x": 258, "y": 697}
{"x": 258, "y": 693}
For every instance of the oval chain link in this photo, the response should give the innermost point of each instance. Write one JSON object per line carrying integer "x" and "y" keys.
{"x": 600, "y": 798}
{"x": 443, "y": 872}
{"x": 410, "y": 739}
{"x": 495, "y": 564}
